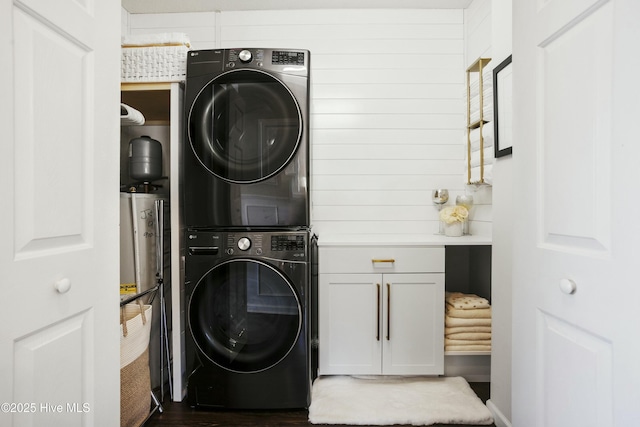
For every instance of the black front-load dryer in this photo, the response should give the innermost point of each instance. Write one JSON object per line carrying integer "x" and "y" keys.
{"x": 247, "y": 319}
{"x": 246, "y": 147}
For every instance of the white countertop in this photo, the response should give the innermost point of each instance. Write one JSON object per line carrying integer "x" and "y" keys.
{"x": 400, "y": 239}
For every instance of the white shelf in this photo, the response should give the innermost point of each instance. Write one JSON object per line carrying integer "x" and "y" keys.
{"x": 402, "y": 240}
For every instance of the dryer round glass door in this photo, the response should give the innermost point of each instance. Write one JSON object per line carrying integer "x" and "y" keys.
{"x": 245, "y": 126}
{"x": 244, "y": 316}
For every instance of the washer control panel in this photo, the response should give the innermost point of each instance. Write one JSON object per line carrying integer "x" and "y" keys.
{"x": 288, "y": 242}
{"x": 285, "y": 245}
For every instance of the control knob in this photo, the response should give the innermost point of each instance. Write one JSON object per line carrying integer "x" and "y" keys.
{"x": 245, "y": 56}
{"x": 244, "y": 244}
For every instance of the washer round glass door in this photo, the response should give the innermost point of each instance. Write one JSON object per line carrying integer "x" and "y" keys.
{"x": 245, "y": 316}
{"x": 245, "y": 126}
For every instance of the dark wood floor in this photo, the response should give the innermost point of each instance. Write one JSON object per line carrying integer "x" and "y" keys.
{"x": 179, "y": 414}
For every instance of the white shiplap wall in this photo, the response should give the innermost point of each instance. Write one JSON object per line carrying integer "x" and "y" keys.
{"x": 387, "y": 114}
{"x": 200, "y": 27}
{"x": 477, "y": 36}
{"x": 478, "y": 30}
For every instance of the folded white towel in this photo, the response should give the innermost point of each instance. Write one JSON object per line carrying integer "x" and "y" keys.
{"x": 475, "y": 140}
{"x": 448, "y": 341}
{"x": 471, "y": 336}
{"x": 467, "y": 347}
{"x": 461, "y": 329}
{"x": 487, "y": 97}
{"x": 487, "y": 132}
{"x": 488, "y": 174}
{"x": 466, "y": 301}
{"x": 129, "y": 116}
{"x": 487, "y": 143}
{"x": 488, "y": 157}
{"x": 480, "y": 313}
{"x": 452, "y": 322}
{"x": 487, "y": 81}
{"x": 487, "y": 114}
{"x": 158, "y": 39}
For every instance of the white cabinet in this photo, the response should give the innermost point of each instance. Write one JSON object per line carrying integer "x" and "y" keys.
{"x": 381, "y": 310}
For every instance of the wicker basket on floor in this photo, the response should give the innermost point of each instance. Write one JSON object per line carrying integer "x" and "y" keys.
{"x": 135, "y": 378}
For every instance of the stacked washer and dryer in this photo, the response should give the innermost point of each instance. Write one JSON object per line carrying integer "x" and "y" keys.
{"x": 248, "y": 249}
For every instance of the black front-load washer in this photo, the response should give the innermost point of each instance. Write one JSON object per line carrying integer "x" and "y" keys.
{"x": 247, "y": 319}
{"x": 246, "y": 146}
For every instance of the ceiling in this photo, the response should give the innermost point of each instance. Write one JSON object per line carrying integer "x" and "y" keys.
{"x": 174, "y": 6}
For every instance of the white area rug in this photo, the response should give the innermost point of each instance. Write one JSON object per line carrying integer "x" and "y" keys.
{"x": 395, "y": 400}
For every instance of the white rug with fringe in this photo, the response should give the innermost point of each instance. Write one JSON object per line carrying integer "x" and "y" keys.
{"x": 388, "y": 400}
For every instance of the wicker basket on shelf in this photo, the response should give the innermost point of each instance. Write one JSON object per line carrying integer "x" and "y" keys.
{"x": 155, "y": 58}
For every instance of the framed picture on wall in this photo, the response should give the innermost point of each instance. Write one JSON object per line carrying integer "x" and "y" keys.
{"x": 502, "y": 109}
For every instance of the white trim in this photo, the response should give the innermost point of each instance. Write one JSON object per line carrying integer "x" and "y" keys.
{"x": 499, "y": 418}
{"x": 168, "y": 6}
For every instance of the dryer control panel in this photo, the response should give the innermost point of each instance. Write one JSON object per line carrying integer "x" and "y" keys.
{"x": 271, "y": 60}
{"x": 287, "y": 57}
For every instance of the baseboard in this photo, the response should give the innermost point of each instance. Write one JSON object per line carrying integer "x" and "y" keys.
{"x": 498, "y": 417}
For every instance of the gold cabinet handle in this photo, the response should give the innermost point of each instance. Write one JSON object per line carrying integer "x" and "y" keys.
{"x": 376, "y": 260}
{"x": 388, "y": 311}
{"x": 378, "y": 333}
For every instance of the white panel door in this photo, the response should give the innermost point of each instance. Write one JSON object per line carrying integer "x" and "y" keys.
{"x": 576, "y": 151}
{"x": 413, "y": 324}
{"x": 350, "y": 329}
{"x": 59, "y": 161}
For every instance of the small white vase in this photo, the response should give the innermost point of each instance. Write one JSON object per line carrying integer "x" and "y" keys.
{"x": 453, "y": 230}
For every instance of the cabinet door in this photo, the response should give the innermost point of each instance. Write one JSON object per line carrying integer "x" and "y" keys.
{"x": 413, "y": 324}
{"x": 350, "y": 324}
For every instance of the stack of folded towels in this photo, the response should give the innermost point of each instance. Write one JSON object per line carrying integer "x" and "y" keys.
{"x": 467, "y": 323}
